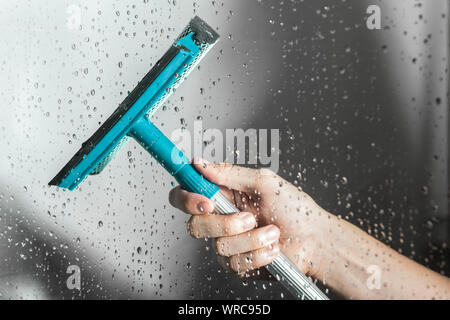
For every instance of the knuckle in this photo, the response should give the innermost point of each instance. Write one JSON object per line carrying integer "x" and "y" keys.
{"x": 264, "y": 177}
{"x": 227, "y": 168}
{"x": 222, "y": 172}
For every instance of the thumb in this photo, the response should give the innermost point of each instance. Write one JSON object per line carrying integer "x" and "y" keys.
{"x": 228, "y": 175}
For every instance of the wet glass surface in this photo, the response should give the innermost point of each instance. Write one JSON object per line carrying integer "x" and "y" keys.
{"x": 362, "y": 114}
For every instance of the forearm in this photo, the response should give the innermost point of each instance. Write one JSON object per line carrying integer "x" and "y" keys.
{"x": 358, "y": 266}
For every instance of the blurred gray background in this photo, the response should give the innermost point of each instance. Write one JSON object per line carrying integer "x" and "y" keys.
{"x": 363, "y": 118}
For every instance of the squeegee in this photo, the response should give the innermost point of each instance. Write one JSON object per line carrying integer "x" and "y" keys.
{"x": 132, "y": 120}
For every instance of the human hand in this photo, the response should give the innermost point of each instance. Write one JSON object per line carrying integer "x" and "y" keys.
{"x": 274, "y": 215}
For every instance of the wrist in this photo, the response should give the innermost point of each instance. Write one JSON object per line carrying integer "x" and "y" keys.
{"x": 319, "y": 242}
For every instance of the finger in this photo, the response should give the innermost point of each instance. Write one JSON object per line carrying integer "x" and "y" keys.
{"x": 213, "y": 226}
{"x": 243, "y": 263}
{"x": 257, "y": 274}
{"x": 247, "y": 241}
{"x": 231, "y": 176}
{"x": 189, "y": 202}
{"x": 224, "y": 262}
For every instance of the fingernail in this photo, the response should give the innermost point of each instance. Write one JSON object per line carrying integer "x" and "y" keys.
{"x": 205, "y": 207}
{"x": 201, "y": 207}
{"x": 274, "y": 250}
{"x": 248, "y": 220}
{"x": 272, "y": 234}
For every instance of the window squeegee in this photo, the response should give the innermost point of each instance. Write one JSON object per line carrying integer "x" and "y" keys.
{"x": 131, "y": 119}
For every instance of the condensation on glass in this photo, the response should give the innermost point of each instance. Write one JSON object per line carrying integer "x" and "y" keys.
{"x": 362, "y": 114}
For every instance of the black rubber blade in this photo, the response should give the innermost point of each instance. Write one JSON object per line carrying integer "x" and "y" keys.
{"x": 127, "y": 103}
{"x": 203, "y": 34}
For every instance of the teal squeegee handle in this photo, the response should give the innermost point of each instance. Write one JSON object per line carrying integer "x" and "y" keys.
{"x": 171, "y": 158}
{"x": 176, "y": 163}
